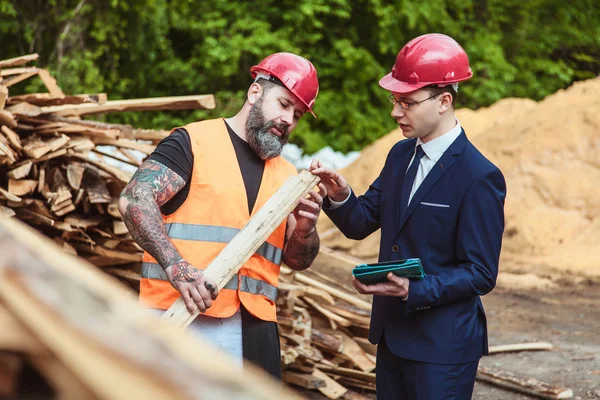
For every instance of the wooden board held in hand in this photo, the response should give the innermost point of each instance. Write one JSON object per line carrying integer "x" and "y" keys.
{"x": 249, "y": 239}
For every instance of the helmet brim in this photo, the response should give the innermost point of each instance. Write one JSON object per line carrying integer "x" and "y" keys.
{"x": 392, "y": 84}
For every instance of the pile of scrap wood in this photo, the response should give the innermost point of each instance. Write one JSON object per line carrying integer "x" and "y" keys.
{"x": 323, "y": 329}
{"x": 70, "y": 332}
{"x": 54, "y": 172}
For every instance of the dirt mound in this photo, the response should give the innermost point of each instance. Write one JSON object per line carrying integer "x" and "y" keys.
{"x": 549, "y": 153}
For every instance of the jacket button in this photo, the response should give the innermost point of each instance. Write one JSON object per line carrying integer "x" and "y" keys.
{"x": 395, "y": 248}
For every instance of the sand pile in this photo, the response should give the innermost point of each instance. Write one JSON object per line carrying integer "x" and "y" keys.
{"x": 550, "y": 155}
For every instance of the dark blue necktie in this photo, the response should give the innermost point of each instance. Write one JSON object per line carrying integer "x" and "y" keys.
{"x": 409, "y": 179}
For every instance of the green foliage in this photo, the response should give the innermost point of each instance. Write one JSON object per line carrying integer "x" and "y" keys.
{"x": 145, "y": 48}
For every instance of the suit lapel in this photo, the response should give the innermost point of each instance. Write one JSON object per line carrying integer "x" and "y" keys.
{"x": 440, "y": 168}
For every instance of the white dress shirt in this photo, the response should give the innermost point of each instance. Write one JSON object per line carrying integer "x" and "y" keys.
{"x": 434, "y": 149}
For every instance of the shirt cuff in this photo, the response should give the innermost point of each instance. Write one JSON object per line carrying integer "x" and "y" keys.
{"x": 337, "y": 204}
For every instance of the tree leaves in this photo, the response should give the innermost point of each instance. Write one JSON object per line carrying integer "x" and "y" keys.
{"x": 143, "y": 48}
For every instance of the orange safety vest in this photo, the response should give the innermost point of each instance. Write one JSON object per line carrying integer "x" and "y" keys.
{"x": 215, "y": 210}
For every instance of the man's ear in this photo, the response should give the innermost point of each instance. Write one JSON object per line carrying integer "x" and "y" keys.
{"x": 446, "y": 102}
{"x": 255, "y": 91}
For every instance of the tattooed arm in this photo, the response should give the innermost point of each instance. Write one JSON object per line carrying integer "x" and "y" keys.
{"x": 302, "y": 241}
{"x": 151, "y": 186}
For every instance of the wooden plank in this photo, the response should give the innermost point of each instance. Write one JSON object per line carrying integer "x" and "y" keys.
{"x": 123, "y": 131}
{"x": 41, "y": 178}
{"x": 12, "y": 136}
{"x": 249, "y": 239}
{"x": 7, "y": 212}
{"x": 8, "y": 119}
{"x": 119, "y": 228}
{"x": 114, "y": 157}
{"x": 37, "y": 148}
{"x": 49, "y": 156}
{"x": 528, "y": 386}
{"x": 349, "y": 315}
{"x": 3, "y": 96}
{"x": 331, "y": 343}
{"x": 80, "y": 144}
{"x": 115, "y": 254}
{"x": 18, "y": 71}
{"x": 356, "y": 383}
{"x": 95, "y": 187}
{"x": 363, "y": 305}
{"x": 133, "y": 160}
{"x": 21, "y": 187}
{"x": 9, "y": 196}
{"x": 356, "y": 354}
{"x": 7, "y": 151}
{"x": 79, "y": 221}
{"x": 13, "y": 80}
{"x": 96, "y": 328}
{"x": 15, "y": 62}
{"x": 328, "y": 314}
{"x": 128, "y": 144}
{"x": 124, "y": 273}
{"x": 46, "y": 99}
{"x": 305, "y": 381}
{"x": 50, "y": 84}
{"x": 123, "y": 176}
{"x": 332, "y": 389}
{"x": 367, "y": 346}
{"x": 205, "y": 101}
{"x": 504, "y": 348}
{"x": 14, "y": 337}
{"x": 352, "y": 373}
{"x": 75, "y": 175}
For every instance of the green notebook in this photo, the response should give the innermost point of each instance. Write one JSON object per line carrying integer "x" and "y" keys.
{"x": 370, "y": 274}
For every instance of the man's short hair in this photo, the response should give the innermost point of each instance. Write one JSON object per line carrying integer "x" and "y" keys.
{"x": 267, "y": 84}
{"x": 435, "y": 90}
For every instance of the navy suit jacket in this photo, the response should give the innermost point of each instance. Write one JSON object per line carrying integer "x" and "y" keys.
{"x": 443, "y": 320}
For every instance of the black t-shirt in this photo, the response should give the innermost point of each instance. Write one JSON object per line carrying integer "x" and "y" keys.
{"x": 175, "y": 152}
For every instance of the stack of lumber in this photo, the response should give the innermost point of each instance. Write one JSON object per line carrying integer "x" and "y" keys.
{"x": 85, "y": 336}
{"x": 323, "y": 330}
{"x": 54, "y": 168}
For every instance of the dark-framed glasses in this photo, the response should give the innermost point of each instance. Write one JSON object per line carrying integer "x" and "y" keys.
{"x": 406, "y": 105}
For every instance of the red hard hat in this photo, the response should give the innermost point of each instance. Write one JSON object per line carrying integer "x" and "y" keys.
{"x": 296, "y": 73}
{"x": 426, "y": 60}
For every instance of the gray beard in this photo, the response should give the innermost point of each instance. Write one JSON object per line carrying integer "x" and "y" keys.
{"x": 265, "y": 144}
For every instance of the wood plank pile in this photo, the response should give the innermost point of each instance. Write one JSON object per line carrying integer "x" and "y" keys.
{"x": 323, "y": 329}
{"x": 47, "y": 177}
{"x": 82, "y": 335}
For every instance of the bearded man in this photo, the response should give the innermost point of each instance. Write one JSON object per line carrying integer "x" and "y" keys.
{"x": 201, "y": 186}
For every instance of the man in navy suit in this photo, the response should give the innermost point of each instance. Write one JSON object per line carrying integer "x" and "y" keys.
{"x": 438, "y": 199}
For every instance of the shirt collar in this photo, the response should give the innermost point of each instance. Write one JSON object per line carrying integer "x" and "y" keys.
{"x": 434, "y": 149}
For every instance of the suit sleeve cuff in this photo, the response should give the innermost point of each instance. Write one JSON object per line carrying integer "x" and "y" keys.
{"x": 416, "y": 299}
{"x": 337, "y": 204}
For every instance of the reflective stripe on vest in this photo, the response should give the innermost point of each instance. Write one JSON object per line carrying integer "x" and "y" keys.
{"x": 218, "y": 234}
{"x": 250, "y": 285}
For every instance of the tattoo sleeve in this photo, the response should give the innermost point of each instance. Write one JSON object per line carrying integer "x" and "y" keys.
{"x": 151, "y": 186}
{"x": 299, "y": 253}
